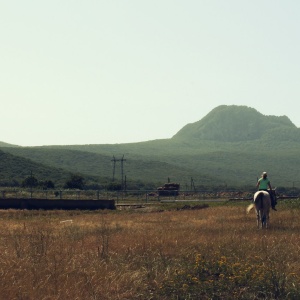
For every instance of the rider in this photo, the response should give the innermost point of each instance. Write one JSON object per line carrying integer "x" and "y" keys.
{"x": 262, "y": 184}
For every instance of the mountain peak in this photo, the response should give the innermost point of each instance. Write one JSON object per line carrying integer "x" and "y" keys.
{"x": 234, "y": 123}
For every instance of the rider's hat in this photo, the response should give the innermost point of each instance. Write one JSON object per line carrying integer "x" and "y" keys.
{"x": 264, "y": 173}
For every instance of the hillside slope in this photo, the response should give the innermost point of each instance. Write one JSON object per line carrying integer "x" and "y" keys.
{"x": 231, "y": 146}
{"x": 14, "y": 169}
{"x": 2, "y": 144}
{"x": 101, "y": 166}
{"x": 238, "y": 123}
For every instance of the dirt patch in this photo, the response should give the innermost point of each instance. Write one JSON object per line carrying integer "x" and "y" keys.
{"x": 154, "y": 208}
{"x": 185, "y": 207}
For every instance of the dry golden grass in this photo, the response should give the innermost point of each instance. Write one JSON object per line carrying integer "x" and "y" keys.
{"x": 211, "y": 253}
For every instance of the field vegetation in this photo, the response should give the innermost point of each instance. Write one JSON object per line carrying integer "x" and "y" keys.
{"x": 162, "y": 251}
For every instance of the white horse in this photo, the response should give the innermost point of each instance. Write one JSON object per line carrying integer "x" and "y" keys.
{"x": 262, "y": 204}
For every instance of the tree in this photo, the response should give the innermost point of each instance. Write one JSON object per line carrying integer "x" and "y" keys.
{"x": 47, "y": 184}
{"x": 114, "y": 186}
{"x": 30, "y": 181}
{"x": 75, "y": 182}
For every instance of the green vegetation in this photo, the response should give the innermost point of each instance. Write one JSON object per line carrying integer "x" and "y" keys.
{"x": 230, "y": 147}
{"x": 75, "y": 182}
{"x": 236, "y": 123}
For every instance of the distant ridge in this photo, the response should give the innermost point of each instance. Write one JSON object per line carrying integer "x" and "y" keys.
{"x": 229, "y": 147}
{"x": 2, "y": 144}
{"x": 236, "y": 123}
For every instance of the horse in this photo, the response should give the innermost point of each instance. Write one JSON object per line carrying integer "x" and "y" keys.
{"x": 262, "y": 204}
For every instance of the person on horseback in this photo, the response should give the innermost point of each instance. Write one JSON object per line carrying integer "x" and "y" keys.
{"x": 263, "y": 184}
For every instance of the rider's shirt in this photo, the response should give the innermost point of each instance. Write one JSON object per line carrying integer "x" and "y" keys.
{"x": 263, "y": 183}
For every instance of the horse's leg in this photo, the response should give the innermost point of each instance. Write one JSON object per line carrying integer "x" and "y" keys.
{"x": 258, "y": 218}
{"x": 264, "y": 221}
{"x": 267, "y": 219}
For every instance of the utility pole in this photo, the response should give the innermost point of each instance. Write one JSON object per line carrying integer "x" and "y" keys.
{"x": 122, "y": 171}
{"x": 31, "y": 183}
{"x": 192, "y": 184}
{"x": 114, "y": 160}
{"x": 114, "y": 168}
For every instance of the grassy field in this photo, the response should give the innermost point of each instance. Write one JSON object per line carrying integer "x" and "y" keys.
{"x": 169, "y": 251}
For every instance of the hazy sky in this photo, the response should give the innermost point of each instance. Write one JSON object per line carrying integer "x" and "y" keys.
{"x": 117, "y": 71}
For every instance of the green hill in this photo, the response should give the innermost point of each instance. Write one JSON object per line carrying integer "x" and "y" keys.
{"x": 237, "y": 123}
{"x": 230, "y": 146}
{"x": 137, "y": 170}
{"x": 14, "y": 169}
{"x": 2, "y": 144}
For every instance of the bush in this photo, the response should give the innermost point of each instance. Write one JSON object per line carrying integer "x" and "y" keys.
{"x": 30, "y": 181}
{"x": 75, "y": 182}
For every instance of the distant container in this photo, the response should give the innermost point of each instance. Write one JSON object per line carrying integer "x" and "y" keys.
{"x": 47, "y": 204}
{"x": 169, "y": 189}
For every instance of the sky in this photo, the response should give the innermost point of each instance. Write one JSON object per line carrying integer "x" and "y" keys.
{"x": 110, "y": 72}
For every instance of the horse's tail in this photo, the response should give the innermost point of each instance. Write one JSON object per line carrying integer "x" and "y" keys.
{"x": 249, "y": 208}
{"x": 259, "y": 200}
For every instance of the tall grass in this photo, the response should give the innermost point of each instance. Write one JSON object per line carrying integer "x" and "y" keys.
{"x": 210, "y": 253}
